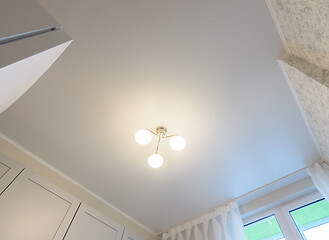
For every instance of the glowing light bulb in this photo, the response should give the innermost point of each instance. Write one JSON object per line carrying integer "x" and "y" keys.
{"x": 155, "y": 161}
{"x": 143, "y": 137}
{"x": 177, "y": 143}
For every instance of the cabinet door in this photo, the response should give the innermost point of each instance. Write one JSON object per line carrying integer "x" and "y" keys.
{"x": 128, "y": 235}
{"x": 33, "y": 209}
{"x": 89, "y": 224}
{"x": 9, "y": 169}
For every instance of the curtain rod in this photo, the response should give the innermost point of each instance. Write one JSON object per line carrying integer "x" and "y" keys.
{"x": 29, "y": 34}
{"x": 257, "y": 189}
{"x": 269, "y": 184}
{"x": 278, "y": 180}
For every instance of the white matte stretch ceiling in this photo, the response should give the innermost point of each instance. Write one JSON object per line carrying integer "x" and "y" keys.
{"x": 205, "y": 69}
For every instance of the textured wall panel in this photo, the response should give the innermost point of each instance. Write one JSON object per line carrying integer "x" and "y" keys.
{"x": 311, "y": 84}
{"x": 304, "y": 24}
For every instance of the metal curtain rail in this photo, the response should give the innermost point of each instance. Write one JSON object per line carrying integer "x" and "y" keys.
{"x": 29, "y": 34}
{"x": 278, "y": 180}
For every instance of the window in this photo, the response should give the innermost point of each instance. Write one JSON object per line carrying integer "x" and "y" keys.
{"x": 265, "y": 228}
{"x": 312, "y": 220}
{"x": 304, "y": 219}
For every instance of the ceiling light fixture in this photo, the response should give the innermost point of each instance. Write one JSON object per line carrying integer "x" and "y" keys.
{"x": 144, "y": 136}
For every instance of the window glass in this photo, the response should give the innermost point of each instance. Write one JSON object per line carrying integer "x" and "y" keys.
{"x": 264, "y": 229}
{"x": 312, "y": 220}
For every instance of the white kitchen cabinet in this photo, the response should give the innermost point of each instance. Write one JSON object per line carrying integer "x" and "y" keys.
{"x": 9, "y": 169}
{"x": 90, "y": 224}
{"x": 31, "y": 208}
{"x": 128, "y": 235}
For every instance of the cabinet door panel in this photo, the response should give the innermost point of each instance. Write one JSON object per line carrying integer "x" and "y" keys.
{"x": 3, "y": 169}
{"x": 128, "y": 235}
{"x": 9, "y": 169}
{"x": 90, "y": 224}
{"x": 33, "y": 209}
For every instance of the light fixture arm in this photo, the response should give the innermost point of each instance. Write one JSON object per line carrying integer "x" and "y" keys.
{"x": 169, "y": 136}
{"x": 161, "y": 132}
{"x": 159, "y": 139}
{"x": 151, "y": 131}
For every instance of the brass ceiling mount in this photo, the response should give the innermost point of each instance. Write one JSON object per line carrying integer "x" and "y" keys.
{"x": 161, "y": 131}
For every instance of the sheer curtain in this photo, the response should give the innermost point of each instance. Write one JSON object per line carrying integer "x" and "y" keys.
{"x": 320, "y": 176}
{"x": 224, "y": 223}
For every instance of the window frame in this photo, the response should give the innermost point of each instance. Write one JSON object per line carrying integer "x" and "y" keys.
{"x": 283, "y": 217}
{"x": 261, "y": 219}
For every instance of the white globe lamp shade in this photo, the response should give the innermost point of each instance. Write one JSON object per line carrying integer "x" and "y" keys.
{"x": 177, "y": 143}
{"x": 143, "y": 137}
{"x": 155, "y": 161}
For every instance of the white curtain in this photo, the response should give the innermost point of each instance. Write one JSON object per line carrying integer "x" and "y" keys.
{"x": 320, "y": 176}
{"x": 224, "y": 223}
